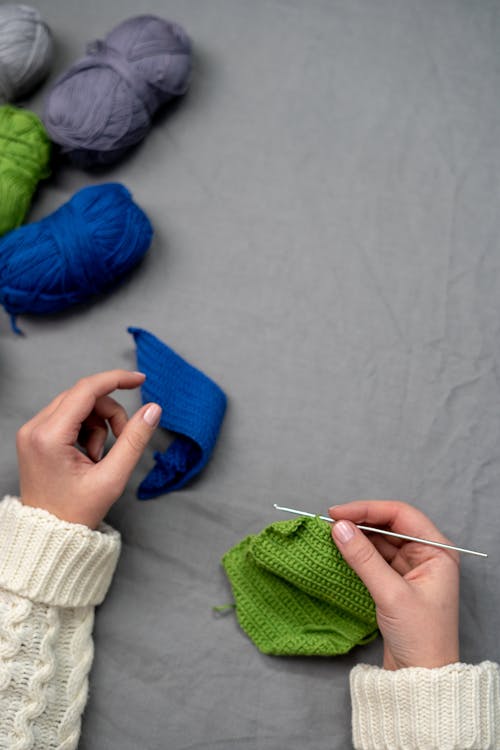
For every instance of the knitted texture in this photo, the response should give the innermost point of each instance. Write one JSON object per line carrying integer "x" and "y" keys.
{"x": 52, "y": 561}
{"x": 294, "y": 593}
{"x": 51, "y": 574}
{"x": 456, "y": 707}
{"x": 24, "y": 161}
{"x": 193, "y": 408}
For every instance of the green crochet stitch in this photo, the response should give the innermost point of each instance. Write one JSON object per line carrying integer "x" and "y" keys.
{"x": 294, "y": 593}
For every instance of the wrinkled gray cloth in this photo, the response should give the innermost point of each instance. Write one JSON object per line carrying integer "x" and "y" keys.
{"x": 327, "y": 210}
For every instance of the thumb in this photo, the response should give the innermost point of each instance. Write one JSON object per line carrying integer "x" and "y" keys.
{"x": 129, "y": 447}
{"x": 380, "y": 579}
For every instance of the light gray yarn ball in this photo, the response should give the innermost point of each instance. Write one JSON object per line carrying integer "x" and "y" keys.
{"x": 26, "y": 50}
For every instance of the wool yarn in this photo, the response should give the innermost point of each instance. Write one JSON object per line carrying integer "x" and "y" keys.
{"x": 104, "y": 103}
{"x": 80, "y": 250}
{"x": 295, "y": 594}
{"x": 26, "y": 50}
{"x": 193, "y": 408}
{"x": 24, "y": 161}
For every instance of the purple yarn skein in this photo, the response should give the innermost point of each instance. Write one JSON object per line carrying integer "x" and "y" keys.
{"x": 104, "y": 103}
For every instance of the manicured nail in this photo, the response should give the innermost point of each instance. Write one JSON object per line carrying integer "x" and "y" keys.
{"x": 152, "y": 415}
{"x": 101, "y": 452}
{"x": 343, "y": 531}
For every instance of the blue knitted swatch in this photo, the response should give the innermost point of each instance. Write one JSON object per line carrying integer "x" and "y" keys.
{"x": 193, "y": 408}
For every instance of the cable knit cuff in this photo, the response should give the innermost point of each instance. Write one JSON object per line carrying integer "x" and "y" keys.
{"x": 454, "y": 707}
{"x": 54, "y": 562}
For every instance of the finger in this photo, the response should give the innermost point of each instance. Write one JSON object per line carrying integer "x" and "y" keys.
{"x": 121, "y": 460}
{"x": 383, "y": 583}
{"x": 92, "y": 436}
{"x": 113, "y": 412}
{"x": 391, "y": 514}
{"x": 387, "y": 549}
{"x": 94, "y": 430}
{"x": 395, "y": 556}
{"x": 80, "y": 400}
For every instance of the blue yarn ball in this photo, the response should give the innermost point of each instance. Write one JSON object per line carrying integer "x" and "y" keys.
{"x": 79, "y": 251}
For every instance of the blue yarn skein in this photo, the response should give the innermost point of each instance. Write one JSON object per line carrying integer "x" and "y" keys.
{"x": 79, "y": 251}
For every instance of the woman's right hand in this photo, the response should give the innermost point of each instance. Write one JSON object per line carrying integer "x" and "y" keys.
{"x": 415, "y": 586}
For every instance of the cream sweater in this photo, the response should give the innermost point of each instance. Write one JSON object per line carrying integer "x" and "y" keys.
{"x": 53, "y": 573}
{"x": 452, "y": 708}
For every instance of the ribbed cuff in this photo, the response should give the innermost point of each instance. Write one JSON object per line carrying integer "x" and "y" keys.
{"x": 456, "y": 707}
{"x": 54, "y": 562}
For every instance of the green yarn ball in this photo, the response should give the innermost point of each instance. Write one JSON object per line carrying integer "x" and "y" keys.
{"x": 295, "y": 594}
{"x": 24, "y": 161}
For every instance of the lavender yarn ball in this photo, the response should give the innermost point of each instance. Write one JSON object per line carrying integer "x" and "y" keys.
{"x": 105, "y": 102}
{"x": 80, "y": 250}
{"x": 26, "y": 50}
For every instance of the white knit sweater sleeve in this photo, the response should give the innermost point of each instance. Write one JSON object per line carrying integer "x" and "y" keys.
{"x": 456, "y": 707}
{"x": 52, "y": 574}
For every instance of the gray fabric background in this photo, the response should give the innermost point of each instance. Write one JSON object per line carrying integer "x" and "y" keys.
{"x": 326, "y": 203}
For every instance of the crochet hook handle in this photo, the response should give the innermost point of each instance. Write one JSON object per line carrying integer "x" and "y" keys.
{"x": 386, "y": 533}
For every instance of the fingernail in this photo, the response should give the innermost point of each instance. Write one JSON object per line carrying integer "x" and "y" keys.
{"x": 136, "y": 372}
{"x": 343, "y": 531}
{"x": 101, "y": 452}
{"x": 152, "y": 415}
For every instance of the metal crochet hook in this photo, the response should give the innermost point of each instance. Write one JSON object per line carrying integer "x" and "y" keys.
{"x": 386, "y": 533}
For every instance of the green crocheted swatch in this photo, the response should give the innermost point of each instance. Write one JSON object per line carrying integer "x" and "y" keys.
{"x": 294, "y": 593}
